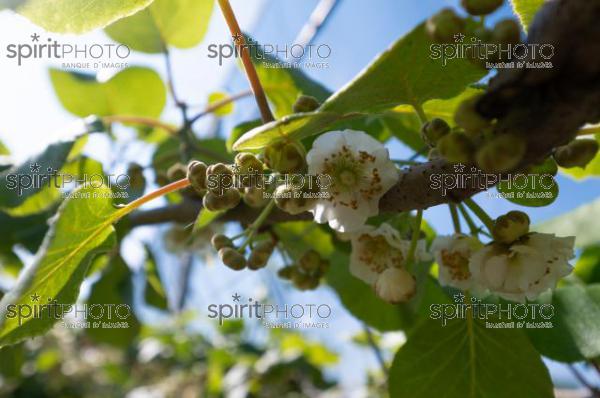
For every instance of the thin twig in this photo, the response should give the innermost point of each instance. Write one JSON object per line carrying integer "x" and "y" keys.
{"x": 376, "y": 350}
{"x": 240, "y": 42}
{"x": 219, "y": 104}
{"x": 594, "y": 390}
{"x": 316, "y": 22}
{"x": 145, "y": 121}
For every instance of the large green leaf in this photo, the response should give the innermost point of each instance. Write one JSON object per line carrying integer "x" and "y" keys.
{"x": 180, "y": 23}
{"x": 404, "y": 74}
{"x": 76, "y": 16}
{"x": 581, "y": 223}
{"x": 464, "y": 359}
{"x": 81, "y": 229}
{"x": 592, "y": 169}
{"x": 526, "y": 9}
{"x": 114, "y": 288}
{"x": 587, "y": 267}
{"x": 154, "y": 292}
{"x": 134, "y": 91}
{"x": 575, "y": 335}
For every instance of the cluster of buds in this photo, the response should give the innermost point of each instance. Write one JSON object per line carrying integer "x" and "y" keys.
{"x": 235, "y": 258}
{"x": 307, "y": 273}
{"x": 286, "y": 157}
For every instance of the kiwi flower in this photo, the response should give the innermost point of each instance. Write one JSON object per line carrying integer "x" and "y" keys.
{"x": 359, "y": 171}
{"x": 452, "y": 254}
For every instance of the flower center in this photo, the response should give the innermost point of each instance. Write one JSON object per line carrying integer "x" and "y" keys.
{"x": 457, "y": 264}
{"x": 348, "y": 178}
{"x": 378, "y": 254}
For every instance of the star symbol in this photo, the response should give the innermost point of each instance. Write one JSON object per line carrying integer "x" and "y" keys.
{"x": 459, "y": 37}
{"x": 235, "y": 168}
{"x": 35, "y": 168}
{"x": 459, "y": 298}
{"x": 35, "y": 37}
{"x": 35, "y": 297}
{"x": 236, "y": 297}
{"x": 237, "y": 38}
{"x": 458, "y": 168}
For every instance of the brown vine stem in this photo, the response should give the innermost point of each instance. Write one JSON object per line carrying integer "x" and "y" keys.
{"x": 145, "y": 121}
{"x": 240, "y": 42}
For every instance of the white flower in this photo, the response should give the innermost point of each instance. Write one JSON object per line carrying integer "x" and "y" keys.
{"x": 375, "y": 251}
{"x": 452, "y": 255}
{"x": 360, "y": 172}
{"x": 524, "y": 269}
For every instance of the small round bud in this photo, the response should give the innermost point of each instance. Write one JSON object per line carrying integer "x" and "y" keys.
{"x": 395, "y": 285}
{"x": 232, "y": 258}
{"x": 433, "y": 130}
{"x": 577, "y": 153}
{"x": 286, "y": 272}
{"x": 286, "y": 157}
{"x": 219, "y": 241}
{"x": 510, "y": 227}
{"x": 501, "y": 154}
{"x": 177, "y": 172}
{"x": 506, "y": 31}
{"x": 137, "y": 182}
{"x": 310, "y": 261}
{"x": 292, "y": 201}
{"x": 481, "y": 7}
{"x": 456, "y": 147}
{"x": 260, "y": 255}
{"x": 248, "y": 163}
{"x": 219, "y": 178}
{"x": 443, "y": 26}
{"x": 230, "y": 198}
{"x": 467, "y": 117}
{"x": 306, "y": 282}
{"x": 305, "y": 103}
{"x": 211, "y": 202}
{"x": 196, "y": 174}
{"x": 255, "y": 197}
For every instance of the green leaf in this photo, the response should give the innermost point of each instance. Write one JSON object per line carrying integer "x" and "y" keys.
{"x": 4, "y": 149}
{"x": 134, "y": 91}
{"x": 526, "y": 9}
{"x": 592, "y": 169}
{"x": 81, "y": 229}
{"x": 223, "y": 110}
{"x": 575, "y": 335}
{"x": 9, "y": 261}
{"x": 526, "y": 190}
{"x": 13, "y": 358}
{"x": 205, "y": 217}
{"x": 154, "y": 293}
{"x": 467, "y": 360}
{"x": 587, "y": 267}
{"x": 28, "y": 231}
{"x": 180, "y": 23}
{"x": 240, "y": 130}
{"x": 114, "y": 288}
{"x": 404, "y": 74}
{"x": 581, "y": 223}
{"x": 77, "y": 16}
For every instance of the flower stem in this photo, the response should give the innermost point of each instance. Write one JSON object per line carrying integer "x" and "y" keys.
{"x": 415, "y": 237}
{"x": 406, "y": 162}
{"x": 420, "y": 112}
{"x": 257, "y": 223}
{"x": 481, "y": 214}
{"x": 240, "y": 42}
{"x": 455, "y": 219}
{"x": 172, "y": 187}
{"x": 472, "y": 227}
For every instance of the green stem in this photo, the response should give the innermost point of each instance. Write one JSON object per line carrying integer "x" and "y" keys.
{"x": 455, "y": 219}
{"x": 257, "y": 223}
{"x": 420, "y": 112}
{"x": 406, "y": 162}
{"x": 472, "y": 227}
{"x": 415, "y": 237}
{"x": 481, "y": 214}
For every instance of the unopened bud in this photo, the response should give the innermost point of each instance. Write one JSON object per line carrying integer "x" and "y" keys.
{"x": 501, "y": 154}
{"x": 434, "y": 153}
{"x": 481, "y": 7}
{"x": 196, "y": 174}
{"x": 467, "y": 117}
{"x": 305, "y": 103}
{"x": 232, "y": 258}
{"x": 456, "y": 147}
{"x": 306, "y": 282}
{"x": 310, "y": 262}
{"x": 255, "y": 197}
{"x": 286, "y": 272}
{"x": 228, "y": 200}
{"x": 231, "y": 198}
{"x": 443, "y": 26}
{"x": 286, "y": 157}
{"x": 395, "y": 285}
{"x": 433, "y": 130}
{"x": 292, "y": 201}
{"x": 577, "y": 153}
{"x": 177, "y": 172}
{"x": 260, "y": 255}
{"x": 506, "y": 31}
{"x": 248, "y": 163}
{"x": 137, "y": 182}
{"x": 219, "y": 178}
{"x": 510, "y": 227}
{"x": 219, "y": 241}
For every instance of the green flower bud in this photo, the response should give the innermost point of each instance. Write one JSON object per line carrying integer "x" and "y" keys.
{"x": 232, "y": 258}
{"x": 211, "y": 202}
{"x": 433, "y": 130}
{"x": 510, "y": 227}
{"x": 442, "y": 26}
{"x": 287, "y": 272}
{"x": 260, "y": 255}
{"x": 248, "y": 163}
{"x": 255, "y": 197}
{"x": 310, "y": 262}
{"x": 196, "y": 174}
{"x": 219, "y": 241}
{"x": 286, "y": 157}
{"x": 456, "y": 147}
{"x": 177, "y": 172}
{"x": 501, "y": 154}
{"x": 305, "y": 103}
{"x": 467, "y": 117}
{"x": 306, "y": 282}
{"x": 481, "y": 7}
{"x": 215, "y": 202}
{"x": 137, "y": 182}
{"x": 231, "y": 198}
{"x": 577, "y": 153}
{"x": 292, "y": 201}
{"x": 506, "y": 31}
{"x": 219, "y": 178}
